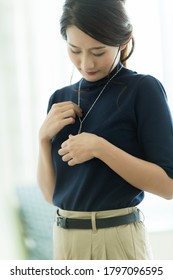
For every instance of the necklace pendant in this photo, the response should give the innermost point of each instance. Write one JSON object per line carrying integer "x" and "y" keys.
{"x": 80, "y": 128}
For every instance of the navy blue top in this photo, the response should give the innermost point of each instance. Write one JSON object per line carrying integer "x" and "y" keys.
{"x": 132, "y": 113}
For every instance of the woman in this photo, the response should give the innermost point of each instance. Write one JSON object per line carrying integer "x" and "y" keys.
{"x": 106, "y": 140}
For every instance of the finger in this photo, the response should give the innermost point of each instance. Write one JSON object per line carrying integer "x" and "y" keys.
{"x": 78, "y": 111}
{"x": 72, "y": 162}
{"x": 63, "y": 152}
{"x": 67, "y": 157}
{"x": 59, "y": 124}
{"x": 64, "y": 144}
{"x": 76, "y": 108}
{"x": 65, "y": 106}
{"x": 64, "y": 103}
{"x": 70, "y": 113}
{"x": 67, "y": 121}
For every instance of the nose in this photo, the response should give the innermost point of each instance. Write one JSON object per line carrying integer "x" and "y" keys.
{"x": 87, "y": 62}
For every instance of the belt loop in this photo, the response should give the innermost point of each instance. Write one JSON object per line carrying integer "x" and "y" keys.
{"x": 142, "y": 214}
{"x": 93, "y": 221}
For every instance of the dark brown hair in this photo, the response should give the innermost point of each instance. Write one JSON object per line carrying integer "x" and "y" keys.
{"x": 104, "y": 20}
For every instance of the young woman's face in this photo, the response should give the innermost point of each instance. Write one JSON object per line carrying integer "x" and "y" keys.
{"x": 92, "y": 58}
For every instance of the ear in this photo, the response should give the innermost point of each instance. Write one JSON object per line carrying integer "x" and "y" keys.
{"x": 122, "y": 47}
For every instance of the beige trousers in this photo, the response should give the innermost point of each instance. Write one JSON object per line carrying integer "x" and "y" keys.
{"x": 127, "y": 242}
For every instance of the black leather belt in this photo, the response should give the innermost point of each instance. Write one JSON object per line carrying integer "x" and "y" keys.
{"x": 69, "y": 223}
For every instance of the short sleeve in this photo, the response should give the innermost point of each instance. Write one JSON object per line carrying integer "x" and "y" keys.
{"x": 154, "y": 124}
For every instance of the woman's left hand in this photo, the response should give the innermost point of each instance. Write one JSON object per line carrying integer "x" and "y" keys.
{"x": 79, "y": 148}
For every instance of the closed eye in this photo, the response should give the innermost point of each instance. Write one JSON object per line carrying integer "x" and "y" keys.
{"x": 75, "y": 52}
{"x": 98, "y": 54}
{"x": 95, "y": 54}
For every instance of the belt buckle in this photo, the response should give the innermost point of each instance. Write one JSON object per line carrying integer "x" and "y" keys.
{"x": 61, "y": 222}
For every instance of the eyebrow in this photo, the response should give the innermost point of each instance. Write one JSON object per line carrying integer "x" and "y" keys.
{"x": 94, "y": 48}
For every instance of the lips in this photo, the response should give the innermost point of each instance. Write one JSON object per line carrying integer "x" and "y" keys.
{"x": 90, "y": 73}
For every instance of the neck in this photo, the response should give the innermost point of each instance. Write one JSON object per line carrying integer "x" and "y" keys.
{"x": 99, "y": 95}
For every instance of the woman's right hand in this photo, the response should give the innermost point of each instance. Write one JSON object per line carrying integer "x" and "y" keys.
{"x": 60, "y": 115}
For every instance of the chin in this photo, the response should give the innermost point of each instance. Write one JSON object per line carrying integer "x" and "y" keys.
{"x": 93, "y": 77}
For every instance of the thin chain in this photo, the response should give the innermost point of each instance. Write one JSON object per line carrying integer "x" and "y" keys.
{"x": 79, "y": 92}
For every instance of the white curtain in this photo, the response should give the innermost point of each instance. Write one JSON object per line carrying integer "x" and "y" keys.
{"x": 152, "y": 29}
{"x": 30, "y": 62}
{"x": 34, "y": 63}
{"x": 30, "y": 55}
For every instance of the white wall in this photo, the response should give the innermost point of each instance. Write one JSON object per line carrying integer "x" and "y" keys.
{"x": 162, "y": 245}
